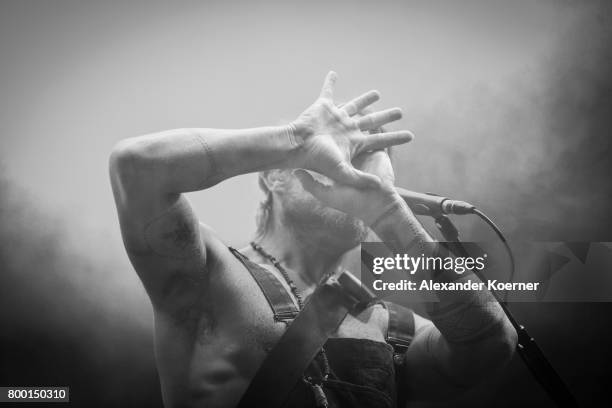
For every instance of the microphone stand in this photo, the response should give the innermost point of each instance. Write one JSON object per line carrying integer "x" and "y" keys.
{"x": 527, "y": 348}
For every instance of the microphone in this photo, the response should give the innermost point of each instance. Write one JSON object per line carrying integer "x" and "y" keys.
{"x": 432, "y": 204}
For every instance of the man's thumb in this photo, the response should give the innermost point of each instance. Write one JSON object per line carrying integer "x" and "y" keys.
{"x": 345, "y": 173}
{"x": 311, "y": 185}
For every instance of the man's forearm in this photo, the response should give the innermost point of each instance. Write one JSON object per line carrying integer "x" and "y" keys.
{"x": 399, "y": 229}
{"x": 472, "y": 333}
{"x": 184, "y": 160}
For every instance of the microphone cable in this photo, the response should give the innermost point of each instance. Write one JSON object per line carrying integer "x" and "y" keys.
{"x": 527, "y": 348}
{"x": 501, "y": 236}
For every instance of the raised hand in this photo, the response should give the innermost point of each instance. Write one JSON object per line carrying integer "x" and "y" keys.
{"x": 368, "y": 204}
{"x": 330, "y": 136}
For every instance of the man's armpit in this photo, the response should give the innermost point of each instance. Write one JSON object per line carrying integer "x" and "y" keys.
{"x": 175, "y": 233}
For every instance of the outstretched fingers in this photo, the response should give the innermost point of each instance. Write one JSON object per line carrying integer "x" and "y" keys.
{"x": 378, "y": 119}
{"x": 361, "y": 102}
{"x": 329, "y": 84}
{"x": 379, "y": 141}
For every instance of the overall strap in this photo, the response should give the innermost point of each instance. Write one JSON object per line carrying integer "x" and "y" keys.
{"x": 284, "y": 366}
{"x": 278, "y": 298}
{"x": 400, "y": 330}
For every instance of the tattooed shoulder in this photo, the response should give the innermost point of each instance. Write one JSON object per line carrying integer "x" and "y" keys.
{"x": 174, "y": 233}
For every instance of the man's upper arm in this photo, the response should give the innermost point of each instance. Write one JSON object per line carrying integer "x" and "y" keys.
{"x": 161, "y": 233}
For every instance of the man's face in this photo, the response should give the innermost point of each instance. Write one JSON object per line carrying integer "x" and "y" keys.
{"x": 306, "y": 215}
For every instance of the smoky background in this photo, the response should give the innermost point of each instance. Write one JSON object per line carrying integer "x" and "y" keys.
{"x": 509, "y": 101}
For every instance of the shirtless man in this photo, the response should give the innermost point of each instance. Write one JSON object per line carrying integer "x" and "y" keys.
{"x": 214, "y": 326}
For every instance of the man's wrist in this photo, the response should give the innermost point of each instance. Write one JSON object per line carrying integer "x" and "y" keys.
{"x": 399, "y": 228}
{"x": 393, "y": 207}
{"x": 297, "y": 134}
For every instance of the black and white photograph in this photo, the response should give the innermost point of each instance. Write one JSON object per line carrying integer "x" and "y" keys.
{"x": 310, "y": 204}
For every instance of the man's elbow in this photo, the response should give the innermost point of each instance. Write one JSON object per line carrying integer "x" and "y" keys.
{"x": 131, "y": 159}
{"x": 130, "y": 167}
{"x": 498, "y": 349}
{"x": 506, "y": 343}
{"x": 474, "y": 362}
{"x": 125, "y": 159}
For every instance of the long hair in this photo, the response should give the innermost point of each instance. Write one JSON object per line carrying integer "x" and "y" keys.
{"x": 264, "y": 212}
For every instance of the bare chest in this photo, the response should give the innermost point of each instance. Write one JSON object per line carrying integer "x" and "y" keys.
{"x": 225, "y": 337}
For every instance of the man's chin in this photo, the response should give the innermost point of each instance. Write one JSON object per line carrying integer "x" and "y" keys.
{"x": 334, "y": 229}
{"x": 326, "y": 226}
{"x": 348, "y": 228}
{"x": 345, "y": 237}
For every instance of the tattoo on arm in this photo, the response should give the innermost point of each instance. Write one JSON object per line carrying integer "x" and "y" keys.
{"x": 467, "y": 321}
{"x": 395, "y": 231}
{"x": 174, "y": 234}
